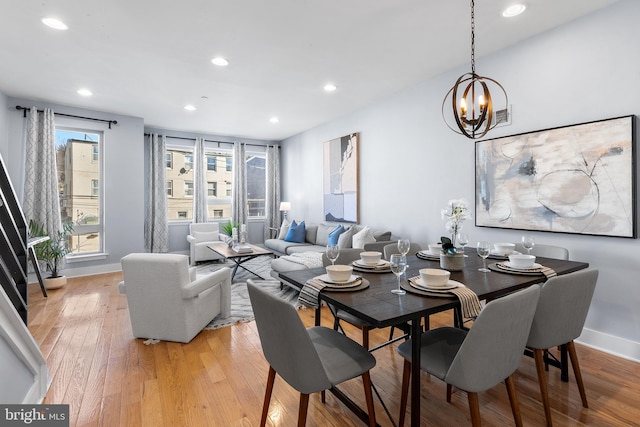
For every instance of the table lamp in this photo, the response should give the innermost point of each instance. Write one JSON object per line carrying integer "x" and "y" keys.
{"x": 284, "y": 207}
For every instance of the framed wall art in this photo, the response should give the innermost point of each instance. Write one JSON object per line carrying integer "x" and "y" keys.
{"x": 340, "y": 179}
{"x": 574, "y": 179}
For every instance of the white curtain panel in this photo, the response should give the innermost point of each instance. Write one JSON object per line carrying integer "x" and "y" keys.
{"x": 239, "y": 193}
{"x": 41, "y": 201}
{"x": 200, "y": 184}
{"x": 156, "y": 224}
{"x": 272, "y": 196}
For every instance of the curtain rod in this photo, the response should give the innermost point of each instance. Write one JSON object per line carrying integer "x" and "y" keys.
{"x": 209, "y": 140}
{"x": 24, "y": 114}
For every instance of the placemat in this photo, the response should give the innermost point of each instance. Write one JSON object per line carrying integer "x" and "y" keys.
{"x": 469, "y": 301}
{"x": 541, "y": 271}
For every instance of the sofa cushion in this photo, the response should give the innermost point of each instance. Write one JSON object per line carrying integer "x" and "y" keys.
{"x": 382, "y": 236}
{"x": 363, "y": 237}
{"x": 311, "y": 230}
{"x": 296, "y": 233}
{"x": 335, "y": 234}
{"x": 344, "y": 240}
{"x": 284, "y": 229}
{"x": 322, "y": 237}
{"x": 205, "y": 236}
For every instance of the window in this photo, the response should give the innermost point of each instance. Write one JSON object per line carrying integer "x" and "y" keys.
{"x": 256, "y": 184}
{"x": 79, "y": 177}
{"x": 217, "y": 213}
{"x": 228, "y": 189}
{"x": 170, "y": 188}
{"x": 188, "y": 162}
{"x": 211, "y": 163}
{"x": 182, "y": 214}
{"x": 169, "y": 160}
{"x": 188, "y": 188}
{"x": 212, "y": 189}
{"x": 229, "y": 164}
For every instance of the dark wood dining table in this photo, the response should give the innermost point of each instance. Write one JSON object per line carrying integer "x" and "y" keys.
{"x": 381, "y": 308}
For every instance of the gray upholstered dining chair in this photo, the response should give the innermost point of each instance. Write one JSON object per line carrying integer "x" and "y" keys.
{"x": 547, "y": 251}
{"x": 392, "y": 248}
{"x": 310, "y": 360}
{"x": 477, "y": 359}
{"x": 560, "y": 316}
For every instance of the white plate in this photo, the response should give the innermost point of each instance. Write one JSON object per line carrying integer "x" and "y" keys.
{"x": 535, "y": 266}
{"x": 380, "y": 263}
{"x": 451, "y": 284}
{"x": 429, "y": 253}
{"x": 325, "y": 278}
{"x": 498, "y": 253}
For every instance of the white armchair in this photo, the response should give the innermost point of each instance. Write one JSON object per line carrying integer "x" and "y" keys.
{"x": 166, "y": 300}
{"x": 201, "y": 235}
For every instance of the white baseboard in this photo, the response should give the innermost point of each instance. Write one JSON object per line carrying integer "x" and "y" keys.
{"x": 616, "y": 346}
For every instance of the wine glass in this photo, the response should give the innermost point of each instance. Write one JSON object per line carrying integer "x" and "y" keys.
{"x": 484, "y": 248}
{"x": 403, "y": 246}
{"x": 528, "y": 242}
{"x": 398, "y": 266}
{"x": 463, "y": 239}
{"x": 332, "y": 252}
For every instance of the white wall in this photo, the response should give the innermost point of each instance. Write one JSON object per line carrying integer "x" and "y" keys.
{"x": 411, "y": 164}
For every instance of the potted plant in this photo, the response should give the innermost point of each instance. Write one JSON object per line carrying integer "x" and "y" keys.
{"x": 450, "y": 258}
{"x": 227, "y": 228}
{"x": 52, "y": 252}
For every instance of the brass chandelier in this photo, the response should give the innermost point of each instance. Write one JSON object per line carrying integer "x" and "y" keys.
{"x": 474, "y": 117}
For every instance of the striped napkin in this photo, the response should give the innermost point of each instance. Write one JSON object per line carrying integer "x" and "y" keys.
{"x": 548, "y": 271}
{"x": 309, "y": 294}
{"x": 468, "y": 299}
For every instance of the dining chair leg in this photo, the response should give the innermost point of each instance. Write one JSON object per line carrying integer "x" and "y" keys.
{"x": 449, "y": 392}
{"x": 474, "y": 408}
{"x": 538, "y": 356}
{"x": 302, "y": 410}
{"x": 406, "y": 376}
{"x": 513, "y": 400}
{"x": 366, "y": 379}
{"x": 267, "y": 396}
{"x": 576, "y": 371}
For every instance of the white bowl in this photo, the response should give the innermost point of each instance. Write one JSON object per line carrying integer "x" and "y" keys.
{"x": 370, "y": 257}
{"x": 434, "y": 277}
{"x": 435, "y": 248}
{"x": 339, "y": 272}
{"x": 522, "y": 260}
{"x": 504, "y": 248}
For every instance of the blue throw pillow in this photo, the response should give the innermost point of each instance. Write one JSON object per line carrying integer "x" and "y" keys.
{"x": 335, "y": 234}
{"x": 296, "y": 233}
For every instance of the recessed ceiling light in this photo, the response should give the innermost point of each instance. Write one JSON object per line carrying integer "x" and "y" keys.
{"x": 513, "y": 10}
{"x": 274, "y": 120}
{"x": 54, "y": 23}
{"x": 330, "y": 87}
{"x": 219, "y": 61}
{"x": 85, "y": 92}
{"x": 189, "y": 107}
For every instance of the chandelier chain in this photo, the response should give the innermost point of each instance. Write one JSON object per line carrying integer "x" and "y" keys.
{"x": 473, "y": 38}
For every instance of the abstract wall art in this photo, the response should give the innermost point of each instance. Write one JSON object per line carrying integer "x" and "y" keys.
{"x": 340, "y": 179}
{"x": 574, "y": 179}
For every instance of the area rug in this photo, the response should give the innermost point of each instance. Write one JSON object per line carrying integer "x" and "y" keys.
{"x": 240, "y": 304}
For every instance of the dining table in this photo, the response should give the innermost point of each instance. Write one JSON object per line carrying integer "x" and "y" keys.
{"x": 381, "y": 308}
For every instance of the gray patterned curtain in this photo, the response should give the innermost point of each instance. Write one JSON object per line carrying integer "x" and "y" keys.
{"x": 239, "y": 193}
{"x": 156, "y": 224}
{"x": 200, "y": 183}
{"x": 272, "y": 195}
{"x": 41, "y": 201}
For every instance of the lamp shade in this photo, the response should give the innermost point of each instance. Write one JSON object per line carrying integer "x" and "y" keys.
{"x": 285, "y": 206}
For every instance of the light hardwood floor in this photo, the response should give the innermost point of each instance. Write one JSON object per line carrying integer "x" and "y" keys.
{"x": 111, "y": 379}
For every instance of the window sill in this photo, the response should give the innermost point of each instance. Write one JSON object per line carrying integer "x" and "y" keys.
{"x": 70, "y": 259}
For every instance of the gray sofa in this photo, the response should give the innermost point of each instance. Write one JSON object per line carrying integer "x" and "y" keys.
{"x": 316, "y": 239}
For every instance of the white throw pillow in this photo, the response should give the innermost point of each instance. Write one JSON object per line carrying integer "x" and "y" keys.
{"x": 362, "y": 237}
{"x": 205, "y": 236}
{"x": 344, "y": 240}
{"x": 284, "y": 229}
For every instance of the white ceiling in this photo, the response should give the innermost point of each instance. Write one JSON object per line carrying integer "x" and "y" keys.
{"x": 148, "y": 58}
